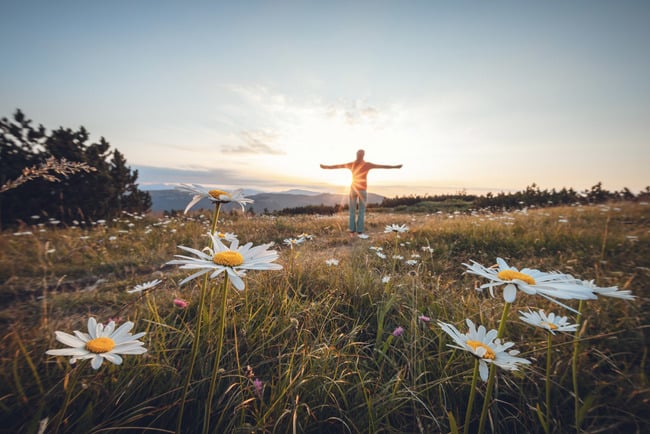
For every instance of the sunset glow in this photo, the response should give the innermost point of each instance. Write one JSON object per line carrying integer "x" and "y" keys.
{"x": 474, "y": 97}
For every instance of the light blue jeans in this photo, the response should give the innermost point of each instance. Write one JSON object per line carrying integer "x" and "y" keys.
{"x": 357, "y": 197}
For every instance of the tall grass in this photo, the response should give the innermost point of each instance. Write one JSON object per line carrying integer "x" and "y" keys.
{"x": 311, "y": 348}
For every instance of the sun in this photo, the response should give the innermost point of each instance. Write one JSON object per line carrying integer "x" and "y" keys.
{"x": 339, "y": 177}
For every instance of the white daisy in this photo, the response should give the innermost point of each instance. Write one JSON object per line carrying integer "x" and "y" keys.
{"x": 332, "y": 262}
{"x": 291, "y": 242}
{"x": 550, "y": 322}
{"x": 228, "y": 236}
{"x": 396, "y": 228}
{"x": 99, "y": 343}
{"x": 144, "y": 286}
{"x": 610, "y": 291}
{"x": 485, "y": 346}
{"x": 234, "y": 260}
{"x": 216, "y": 196}
{"x": 548, "y": 285}
{"x": 385, "y": 279}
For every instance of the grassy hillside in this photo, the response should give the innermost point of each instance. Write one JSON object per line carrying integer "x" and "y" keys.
{"x": 324, "y": 347}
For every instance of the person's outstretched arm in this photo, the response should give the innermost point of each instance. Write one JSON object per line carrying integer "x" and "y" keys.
{"x": 386, "y": 166}
{"x": 333, "y": 166}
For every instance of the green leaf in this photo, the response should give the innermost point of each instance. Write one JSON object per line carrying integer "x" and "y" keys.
{"x": 542, "y": 418}
{"x": 452, "y": 423}
{"x": 586, "y": 406}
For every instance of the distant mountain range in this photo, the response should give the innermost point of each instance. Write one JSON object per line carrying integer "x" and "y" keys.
{"x": 167, "y": 200}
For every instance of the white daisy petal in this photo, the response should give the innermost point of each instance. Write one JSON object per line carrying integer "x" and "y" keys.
{"x": 237, "y": 281}
{"x": 69, "y": 340}
{"x": 193, "y": 276}
{"x": 92, "y": 327}
{"x": 67, "y": 352}
{"x": 194, "y": 201}
{"x": 113, "y": 358}
{"x": 483, "y": 370}
{"x": 133, "y": 350}
{"x": 123, "y": 332}
{"x": 109, "y": 328}
{"x": 97, "y": 361}
{"x": 510, "y": 293}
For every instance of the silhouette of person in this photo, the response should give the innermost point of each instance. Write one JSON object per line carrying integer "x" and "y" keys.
{"x": 359, "y": 187}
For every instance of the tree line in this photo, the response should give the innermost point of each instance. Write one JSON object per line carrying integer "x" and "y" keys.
{"x": 101, "y": 186}
{"x": 531, "y": 196}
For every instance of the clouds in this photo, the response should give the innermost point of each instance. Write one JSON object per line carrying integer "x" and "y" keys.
{"x": 356, "y": 113}
{"x": 151, "y": 177}
{"x": 255, "y": 142}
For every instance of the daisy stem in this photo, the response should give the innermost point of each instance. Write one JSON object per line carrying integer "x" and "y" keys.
{"x": 215, "y": 218}
{"x": 574, "y": 367}
{"x": 472, "y": 395}
{"x": 195, "y": 352}
{"x": 490, "y": 385}
{"x": 392, "y": 273}
{"x": 217, "y": 360}
{"x": 197, "y": 333}
{"x": 547, "y": 426}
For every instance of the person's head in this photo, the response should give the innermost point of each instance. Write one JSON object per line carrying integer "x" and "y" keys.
{"x": 360, "y": 154}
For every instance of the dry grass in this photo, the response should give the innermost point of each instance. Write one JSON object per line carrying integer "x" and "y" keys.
{"x": 319, "y": 337}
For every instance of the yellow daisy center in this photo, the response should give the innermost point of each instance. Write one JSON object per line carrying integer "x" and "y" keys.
{"x": 512, "y": 275}
{"x": 550, "y": 325}
{"x": 489, "y": 354}
{"x": 228, "y": 258}
{"x": 218, "y": 193}
{"x": 100, "y": 345}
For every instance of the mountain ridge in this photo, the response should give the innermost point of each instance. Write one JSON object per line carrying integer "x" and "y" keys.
{"x": 168, "y": 200}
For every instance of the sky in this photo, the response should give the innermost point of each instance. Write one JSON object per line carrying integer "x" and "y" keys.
{"x": 471, "y": 96}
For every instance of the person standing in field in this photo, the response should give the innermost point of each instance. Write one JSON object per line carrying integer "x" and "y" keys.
{"x": 359, "y": 187}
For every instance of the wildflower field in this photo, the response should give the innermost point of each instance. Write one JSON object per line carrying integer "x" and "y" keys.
{"x": 528, "y": 321}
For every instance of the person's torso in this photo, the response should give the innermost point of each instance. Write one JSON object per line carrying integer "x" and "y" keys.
{"x": 360, "y": 174}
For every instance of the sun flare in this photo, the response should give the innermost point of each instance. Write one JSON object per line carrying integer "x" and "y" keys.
{"x": 339, "y": 177}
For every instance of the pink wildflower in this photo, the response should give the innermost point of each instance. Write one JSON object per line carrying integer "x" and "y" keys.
{"x": 179, "y": 302}
{"x": 258, "y": 386}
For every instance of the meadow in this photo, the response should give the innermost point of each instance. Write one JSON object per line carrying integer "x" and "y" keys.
{"x": 345, "y": 338}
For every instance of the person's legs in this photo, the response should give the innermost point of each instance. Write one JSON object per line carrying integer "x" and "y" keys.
{"x": 363, "y": 197}
{"x": 353, "y": 209}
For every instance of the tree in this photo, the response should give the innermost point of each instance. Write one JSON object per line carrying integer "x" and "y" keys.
{"x": 102, "y": 193}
